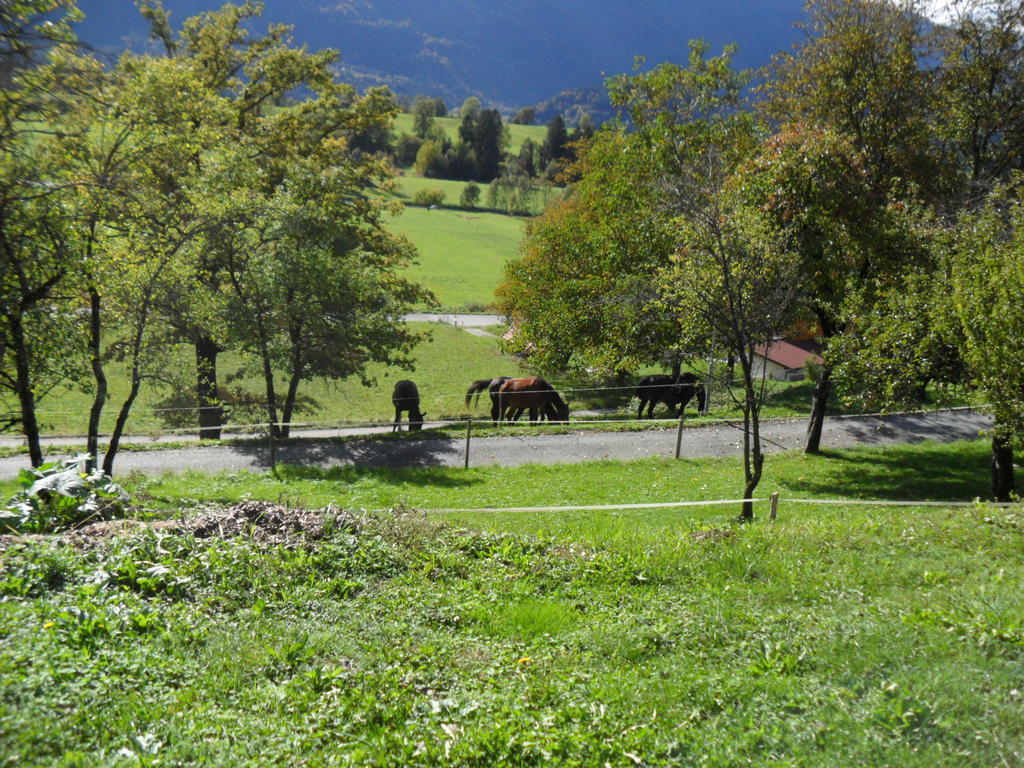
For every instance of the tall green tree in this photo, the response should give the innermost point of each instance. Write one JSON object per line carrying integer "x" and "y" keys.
{"x": 582, "y": 290}
{"x": 36, "y": 340}
{"x": 733, "y": 282}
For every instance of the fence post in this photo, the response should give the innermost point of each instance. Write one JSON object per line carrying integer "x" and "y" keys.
{"x": 707, "y": 388}
{"x": 679, "y": 433}
{"x": 273, "y": 449}
{"x": 775, "y": 506}
{"x": 469, "y": 433}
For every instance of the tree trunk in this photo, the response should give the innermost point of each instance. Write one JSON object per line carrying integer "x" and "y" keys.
{"x": 819, "y": 401}
{"x": 26, "y": 395}
{"x": 289, "y": 404}
{"x": 1002, "y": 468}
{"x": 677, "y": 366}
{"x": 211, "y": 414}
{"x": 268, "y": 380}
{"x": 99, "y": 376}
{"x": 119, "y": 425}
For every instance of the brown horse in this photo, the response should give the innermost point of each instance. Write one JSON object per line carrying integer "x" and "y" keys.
{"x": 491, "y": 387}
{"x": 532, "y": 394}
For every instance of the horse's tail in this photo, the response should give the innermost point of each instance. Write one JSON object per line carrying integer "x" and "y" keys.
{"x": 478, "y": 386}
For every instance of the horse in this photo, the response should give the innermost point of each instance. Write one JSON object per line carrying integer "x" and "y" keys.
{"x": 406, "y": 397}
{"x": 533, "y": 394}
{"x": 491, "y": 386}
{"x": 673, "y": 391}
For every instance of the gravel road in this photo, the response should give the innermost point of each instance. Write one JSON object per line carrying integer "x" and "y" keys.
{"x": 526, "y": 447}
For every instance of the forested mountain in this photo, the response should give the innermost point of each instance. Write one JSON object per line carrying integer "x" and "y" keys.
{"x": 508, "y": 54}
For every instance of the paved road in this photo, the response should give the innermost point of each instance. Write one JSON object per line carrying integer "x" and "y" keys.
{"x": 531, "y": 447}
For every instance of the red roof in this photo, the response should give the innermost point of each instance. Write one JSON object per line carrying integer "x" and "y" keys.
{"x": 791, "y": 354}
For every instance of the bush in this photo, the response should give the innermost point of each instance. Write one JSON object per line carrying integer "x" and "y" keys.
{"x": 428, "y": 196}
{"x": 61, "y": 494}
{"x": 470, "y": 195}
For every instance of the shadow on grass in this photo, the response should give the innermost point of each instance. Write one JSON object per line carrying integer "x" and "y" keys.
{"x": 928, "y": 472}
{"x": 445, "y": 477}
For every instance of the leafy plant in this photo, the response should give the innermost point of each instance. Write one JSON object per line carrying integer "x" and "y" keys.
{"x": 61, "y": 494}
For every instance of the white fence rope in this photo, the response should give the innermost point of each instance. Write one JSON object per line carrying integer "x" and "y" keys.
{"x": 719, "y": 502}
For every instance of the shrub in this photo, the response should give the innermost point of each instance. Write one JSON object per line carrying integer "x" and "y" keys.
{"x": 61, "y": 494}
{"x": 428, "y": 196}
{"x": 470, "y": 195}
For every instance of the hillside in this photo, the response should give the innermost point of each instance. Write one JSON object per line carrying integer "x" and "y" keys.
{"x": 509, "y": 54}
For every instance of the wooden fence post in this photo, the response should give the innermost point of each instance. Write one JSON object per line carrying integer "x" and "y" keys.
{"x": 469, "y": 433}
{"x": 273, "y": 449}
{"x": 679, "y": 433}
{"x": 775, "y": 506}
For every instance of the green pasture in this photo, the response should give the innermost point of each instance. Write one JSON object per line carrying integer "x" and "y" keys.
{"x": 409, "y": 184}
{"x": 444, "y": 367}
{"x": 462, "y": 254}
{"x": 517, "y": 133}
{"x": 921, "y": 472}
{"x": 836, "y": 636}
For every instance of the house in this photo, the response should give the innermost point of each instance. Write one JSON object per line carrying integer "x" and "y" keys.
{"x": 785, "y": 359}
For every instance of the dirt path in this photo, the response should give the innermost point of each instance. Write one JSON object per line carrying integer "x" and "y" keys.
{"x": 531, "y": 447}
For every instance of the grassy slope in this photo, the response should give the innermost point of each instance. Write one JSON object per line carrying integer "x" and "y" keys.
{"x": 517, "y": 133}
{"x": 462, "y": 253}
{"x": 444, "y": 368}
{"x": 834, "y": 637}
{"x": 926, "y": 471}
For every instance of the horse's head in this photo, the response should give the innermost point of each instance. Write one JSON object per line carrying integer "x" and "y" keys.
{"x": 416, "y": 420}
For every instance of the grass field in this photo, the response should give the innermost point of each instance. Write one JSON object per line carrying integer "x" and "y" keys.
{"x": 517, "y": 133}
{"x": 410, "y": 183}
{"x": 445, "y": 366}
{"x": 834, "y": 637}
{"x": 923, "y": 472}
{"x": 462, "y": 254}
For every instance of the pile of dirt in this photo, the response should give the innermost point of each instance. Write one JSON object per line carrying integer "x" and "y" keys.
{"x": 262, "y": 521}
{"x": 268, "y": 522}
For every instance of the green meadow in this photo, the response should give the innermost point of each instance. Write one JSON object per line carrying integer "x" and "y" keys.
{"x": 444, "y": 365}
{"x": 462, "y": 254}
{"x": 835, "y": 636}
{"x": 517, "y": 133}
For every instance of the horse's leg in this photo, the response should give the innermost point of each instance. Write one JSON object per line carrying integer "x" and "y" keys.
{"x": 397, "y": 426}
{"x": 640, "y": 410}
{"x": 494, "y": 410}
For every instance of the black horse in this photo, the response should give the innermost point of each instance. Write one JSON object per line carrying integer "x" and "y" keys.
{"x": 406, "y": 397}
{"x": 491, "y": 387}
{"x": 673, "y": 391}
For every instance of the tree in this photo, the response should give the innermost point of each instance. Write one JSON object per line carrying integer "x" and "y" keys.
{"x": 118, "y": 153}
{"x": 319, "y": 222}
{"x": 254, "y": 75}
{"x": 554, "y": 147}
{"x": 582, "y": 291}
{"x": 36, "y": 338}
{"x": 470, "y": 195}
{"x": 854, "y": 101}
{"x": 732, "y": 282}
{"x": 986, "y": 268}
{"x": 423, "y": 111}
{"x": 524, "y": 116}
{"x": 470, "y": 108}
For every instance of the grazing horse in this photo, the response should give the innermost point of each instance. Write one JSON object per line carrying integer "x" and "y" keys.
{"x": 406, "y": 397}
{"x": 491, "y": 386}
{"x": 673, "y": 391}
{"x": 533, "y": 394}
